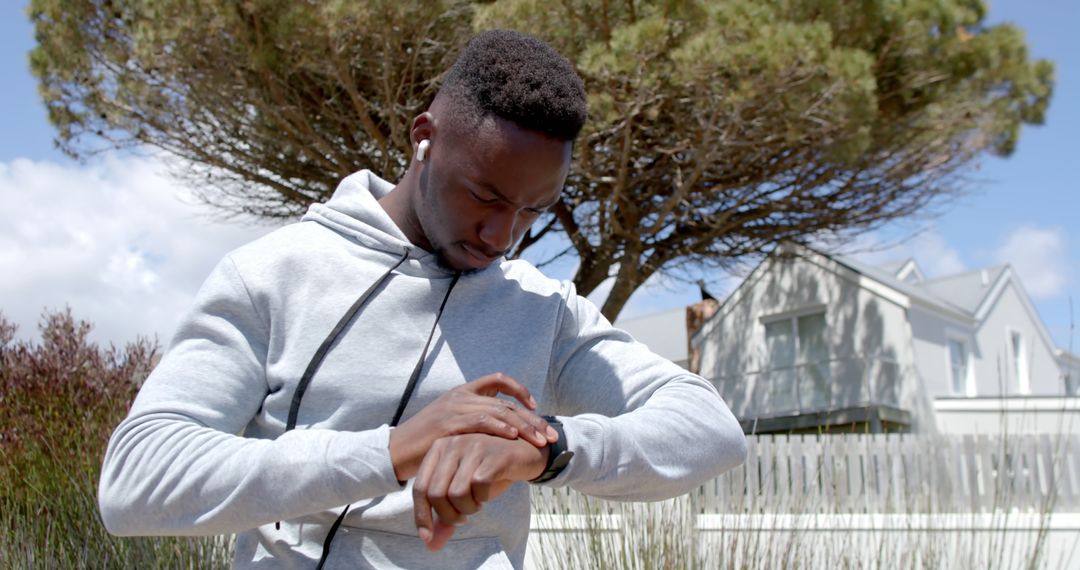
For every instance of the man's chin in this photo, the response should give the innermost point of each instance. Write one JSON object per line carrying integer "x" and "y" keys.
{"x": 450, "y": 263}
{"x": 475, "y": 259}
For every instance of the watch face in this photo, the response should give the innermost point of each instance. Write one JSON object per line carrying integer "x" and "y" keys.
{"x": 561, "y": 461}
{"x": 557, "y": 465}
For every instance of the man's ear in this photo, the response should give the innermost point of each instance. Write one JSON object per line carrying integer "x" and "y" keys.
{"x": 423, "y": 128}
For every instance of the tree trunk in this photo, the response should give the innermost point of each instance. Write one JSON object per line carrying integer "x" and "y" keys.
{"x": 631, "y": 275}
{"x": 590, "y": 273}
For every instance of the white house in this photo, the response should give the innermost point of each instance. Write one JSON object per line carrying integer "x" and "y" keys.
{"x": 987, "y": 475}
{"x": 812, "y": 341}
{"x": 665, "y": 333}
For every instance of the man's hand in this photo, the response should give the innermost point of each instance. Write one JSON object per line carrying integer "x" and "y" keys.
{"x": 462, "y": 472}
{"x": 469, "y": 408}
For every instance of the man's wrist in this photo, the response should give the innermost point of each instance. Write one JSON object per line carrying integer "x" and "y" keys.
{"x": 536, "y": 468}
{"x": 404, "y": 464}
{"x": 558, "y": 454}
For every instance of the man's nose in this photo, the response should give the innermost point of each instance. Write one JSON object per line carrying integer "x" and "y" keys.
{"x": 497, "y": 231}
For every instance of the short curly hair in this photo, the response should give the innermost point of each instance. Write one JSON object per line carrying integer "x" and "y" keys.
{"x": 520, "y": 78}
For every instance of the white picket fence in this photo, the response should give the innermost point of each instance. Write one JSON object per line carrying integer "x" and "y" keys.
{"x": 888, "y": 473}
{"x": 826, "y": 501}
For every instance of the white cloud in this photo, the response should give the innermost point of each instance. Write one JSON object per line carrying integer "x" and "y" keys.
{"x": 934, "y": 256}
{"x": 117, "y": 240}
{"x": 929, "y": 250}
{"x": 1038, "y": 256}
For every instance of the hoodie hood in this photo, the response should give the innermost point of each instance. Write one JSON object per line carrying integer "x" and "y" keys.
{"x": 355, "y": 213}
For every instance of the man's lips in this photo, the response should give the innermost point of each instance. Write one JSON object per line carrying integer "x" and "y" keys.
{"x": 478, "y": 254}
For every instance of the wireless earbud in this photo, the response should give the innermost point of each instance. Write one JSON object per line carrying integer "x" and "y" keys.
{"x": 421, "y": 150}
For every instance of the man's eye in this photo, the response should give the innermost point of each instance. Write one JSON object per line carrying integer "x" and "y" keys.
{"x": 482, "y": 199}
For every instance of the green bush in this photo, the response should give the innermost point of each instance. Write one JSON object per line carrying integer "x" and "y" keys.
{"x": 60, "y": 400}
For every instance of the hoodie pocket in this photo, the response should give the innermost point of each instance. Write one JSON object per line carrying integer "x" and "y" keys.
{"x": 363, "y": 548}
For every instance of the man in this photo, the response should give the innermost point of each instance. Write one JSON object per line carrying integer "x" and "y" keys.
{"x": 360, "y": 352}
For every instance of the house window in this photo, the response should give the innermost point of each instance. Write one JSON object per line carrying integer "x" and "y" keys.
{"x": 779, "y": 389}
{"x": 958, "y": 364}
{"x": 798, "y": 353}
{"x": 814, "y": 359}
{"x": 1020, "y": 368}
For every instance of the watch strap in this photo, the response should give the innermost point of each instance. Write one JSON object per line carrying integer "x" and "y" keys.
{"x": 559, "y": 454}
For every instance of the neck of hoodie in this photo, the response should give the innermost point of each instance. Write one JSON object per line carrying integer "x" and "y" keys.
{"x": 354, "y": 212}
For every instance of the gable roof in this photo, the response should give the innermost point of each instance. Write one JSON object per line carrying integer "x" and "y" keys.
{"x": 910, "y": 269}
{"x": 913, "y": 291}
{"x": 972, "y": 293}
{"x": 966, "y": 297}
{"x": 965, "y": 290}
{"x": 895, "y": 265}
{"x": 863, "y": 276}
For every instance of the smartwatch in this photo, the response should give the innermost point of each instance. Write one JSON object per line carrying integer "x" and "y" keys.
{"x": 558, "y": 453}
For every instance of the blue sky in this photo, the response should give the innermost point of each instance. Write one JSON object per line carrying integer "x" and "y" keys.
{"x": 126, "y": 248}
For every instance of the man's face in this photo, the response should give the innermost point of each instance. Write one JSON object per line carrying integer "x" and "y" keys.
{"x": 482, "y": 188}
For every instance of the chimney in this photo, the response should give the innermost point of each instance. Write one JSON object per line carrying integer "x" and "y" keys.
{"x": 696, "y": 315}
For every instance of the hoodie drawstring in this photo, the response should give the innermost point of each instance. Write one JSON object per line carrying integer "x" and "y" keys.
{"x": 320, "y": 354}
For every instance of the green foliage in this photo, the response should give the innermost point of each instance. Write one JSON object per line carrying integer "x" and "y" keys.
{"x": 717, "y": 130}
{"x": 722, "y": 128}
{"x": 273, "y": 101}
{"x": 61, "y": 399}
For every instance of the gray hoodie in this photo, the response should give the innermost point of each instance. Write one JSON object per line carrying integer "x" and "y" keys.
{"x": 204, "y": 449}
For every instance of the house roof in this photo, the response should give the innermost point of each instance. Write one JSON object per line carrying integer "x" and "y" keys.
{"x": 909, "y": 272}
{"x": 965, "y": 290}
{"x": 971, "y": 294}
{"x": 1066, "y": 355}
{"x": 895, "y": 265}
{"x": 916, "y": 291}
{"x": 966, "y": 296}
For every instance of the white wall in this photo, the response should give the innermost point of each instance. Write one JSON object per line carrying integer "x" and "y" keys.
{"x": 664, "y": 333}
{"x": 1070, "y": 367}
{"x": 995, "y": 370}
{"x": 988, "y": 342}
{"x": 866, "y": 324}
{"x": 1020, "y": 415}
{"x": 930, "y": 333}
{"x": 867, "y": 320}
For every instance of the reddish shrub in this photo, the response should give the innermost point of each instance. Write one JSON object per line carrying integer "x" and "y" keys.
{"x": 65, "y": 392}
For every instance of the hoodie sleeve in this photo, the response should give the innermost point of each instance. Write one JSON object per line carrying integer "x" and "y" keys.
{"x": 640, "y": 427}
{"x": 177, "y": 464}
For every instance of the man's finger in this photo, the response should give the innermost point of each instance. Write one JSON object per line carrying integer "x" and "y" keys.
{"x": 460, "y": 492}
{"x": 482, "y": 478}
{"x": 526, "y": 421}
{"x": 485, "y": 418}
{"x": 528, "y": 425}
{"x": 440, "y": 536}
{"x": 499, "y": 383}
{"x": 421, "y": 506}
{"x": 438, "y": 484}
